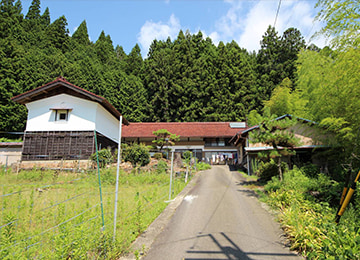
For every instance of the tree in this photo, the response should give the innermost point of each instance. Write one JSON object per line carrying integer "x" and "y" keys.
{"x": 134, "y": 61}
{"x": 158, "y": 80}
{"x": 285, "y": 101}
{"x": 45, "y": 18}
{"x": 58, "y": 34}
{"x": 136, "y": 154}
{"x": 34, "y": 11}
{"x": 81, "y": 35}
{"x": 164, "y": 138}
{"x": 277, "y": 134}
{"x": 104, "y": 48}
{"x": 292, "y": 42}
{"x": 342, "y": 22}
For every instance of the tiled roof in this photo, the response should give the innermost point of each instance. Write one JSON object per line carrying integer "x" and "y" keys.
{"x": 61, "y": 85}
{"x": 187, "y": 129}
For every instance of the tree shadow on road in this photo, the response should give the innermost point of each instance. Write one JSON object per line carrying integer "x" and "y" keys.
{"x": 230, "y": 252}
{"x": 249, "y": 187}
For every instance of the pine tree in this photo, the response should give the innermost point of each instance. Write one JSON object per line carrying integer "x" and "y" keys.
{"x": 104, "y": 48}
{"x": 134, "y": 61}
{"x": 292, "y": 42}
{"x": 45, "y": 18}
{"x": 81, "y": 35}
{"x": 58, "y": 34}
{"x": 34, "y": 11}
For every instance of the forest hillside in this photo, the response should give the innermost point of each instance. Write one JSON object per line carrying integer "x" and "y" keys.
{"x": 183, "y": 79}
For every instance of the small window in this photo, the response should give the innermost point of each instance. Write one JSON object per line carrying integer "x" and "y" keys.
{"x": 61, "y": 115}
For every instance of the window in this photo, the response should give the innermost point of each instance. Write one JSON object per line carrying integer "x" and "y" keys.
{"x": 62, "y": 111}
{"x": 61, "y": 115}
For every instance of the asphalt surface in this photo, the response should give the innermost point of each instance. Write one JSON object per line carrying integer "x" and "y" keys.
{"x": 218, "y": 218}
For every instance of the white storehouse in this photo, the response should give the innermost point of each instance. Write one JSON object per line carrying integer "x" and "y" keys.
{"x": 62, "y": 120}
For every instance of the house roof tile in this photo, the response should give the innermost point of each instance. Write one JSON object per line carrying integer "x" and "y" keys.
{"x": 184, "y": 129}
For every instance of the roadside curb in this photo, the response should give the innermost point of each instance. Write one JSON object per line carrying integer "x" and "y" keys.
{"x": 143, "y": 243}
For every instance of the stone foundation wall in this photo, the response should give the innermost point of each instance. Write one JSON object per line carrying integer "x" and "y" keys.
{"x": 57, "y": 165}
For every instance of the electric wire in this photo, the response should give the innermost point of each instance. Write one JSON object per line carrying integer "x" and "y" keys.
{"x": 277, "y": 13}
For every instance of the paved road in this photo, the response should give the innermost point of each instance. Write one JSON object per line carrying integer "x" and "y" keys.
{"x": 220, "y": 219}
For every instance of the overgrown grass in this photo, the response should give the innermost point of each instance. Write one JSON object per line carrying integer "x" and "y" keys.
{"x": 54, "y": 215}
{"x": 307, "y": 209}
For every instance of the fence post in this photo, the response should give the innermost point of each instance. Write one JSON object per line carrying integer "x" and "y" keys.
{"x": 98, "y": 170}
{"x": 117, "y": 177}
{"x": 6, "y": 163}
{"x": 171, "y": 173}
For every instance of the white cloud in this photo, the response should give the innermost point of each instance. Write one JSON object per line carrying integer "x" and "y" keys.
{"x": 159, "y": 31}
{"x": 230, "y": 23}
{"x": 257, "y": 21}
{"x": 247, "y": 22}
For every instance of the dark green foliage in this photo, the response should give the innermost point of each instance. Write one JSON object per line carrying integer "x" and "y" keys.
{"x": 162, "y": 167}
{"x": 268, "y": 170}
{"x": 164, "y": 138}
{"x": 184, "y": 79}
{"x": 310, "y": 170}
{"x": 277, "y": 59}
{"x": 136, "y": 154}
{"x": 81, "y": 35}
{"x": 275, "y": 133}
{"x": 34, "y": 10}
{"x": 158, "y": 156}
{"x": 105, "y": 157}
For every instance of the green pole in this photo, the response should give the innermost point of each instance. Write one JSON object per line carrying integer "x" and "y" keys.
{"x": 98, "y": 170}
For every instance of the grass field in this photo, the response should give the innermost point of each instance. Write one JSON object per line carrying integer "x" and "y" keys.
{"x": 57, "y": 215}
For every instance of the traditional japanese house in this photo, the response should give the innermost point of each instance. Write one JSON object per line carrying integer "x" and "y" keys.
{"x": 63, "y": 120}
{"x": 208, "y": 141}
{"x": 308, "y": 151}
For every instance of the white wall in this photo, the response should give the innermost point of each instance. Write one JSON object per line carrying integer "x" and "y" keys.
{"x": 84, "y": 116}
{"x": 107, "y": 124}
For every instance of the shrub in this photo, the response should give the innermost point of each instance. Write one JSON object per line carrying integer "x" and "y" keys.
{"x": 273, "y": 185}
{"x": 270, "y": 169}
{"x": 310, "y": 170}
{"x": 158, "y": 156}
{"x": 162, "y": 167}
{"x": 137, "y": 154}
{"x": 105, "y": 157}
{"x": 201, "y": 166}
{"x": 187, "y": 155}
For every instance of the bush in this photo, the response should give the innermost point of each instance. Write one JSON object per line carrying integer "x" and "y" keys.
{"x": 307, "y": 219}
{"x": 201, "y": 166}
{"x": 187, "y": 155}
{"x": 158, "y": 156}
{"x": 136, "y": 154}
{"x": 162, "y": 167}
{"x": 273, "y": 185}
{"x": 105, "y": 157}
{"x": 310, "y": 170}
{"x": 270, "y": 169}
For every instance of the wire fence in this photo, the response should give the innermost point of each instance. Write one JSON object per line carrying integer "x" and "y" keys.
{"x": 50, "y": 215}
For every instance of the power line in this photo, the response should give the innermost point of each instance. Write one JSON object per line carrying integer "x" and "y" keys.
{"x": 277, "y": 13}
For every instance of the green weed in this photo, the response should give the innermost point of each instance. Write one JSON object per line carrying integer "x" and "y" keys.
{"x": 306, "y": 212}
{"x": 53, "y": 215}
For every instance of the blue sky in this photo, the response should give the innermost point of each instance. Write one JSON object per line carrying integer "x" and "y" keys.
{"x": 141, "y": 21}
